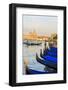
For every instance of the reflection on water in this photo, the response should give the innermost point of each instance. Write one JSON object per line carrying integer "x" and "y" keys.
{"x": 30, "y": 56}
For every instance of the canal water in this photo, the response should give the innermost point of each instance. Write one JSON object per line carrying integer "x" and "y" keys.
{"x": 29, "y": 57}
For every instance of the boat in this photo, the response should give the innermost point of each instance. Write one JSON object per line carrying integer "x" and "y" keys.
{"x": 30, "y": 71}
{"x": 36, "y": 67}
{"x": 50, "y": 63}
{"x": 51, "y": 52}
{"x": 47, "y": 62}
{"x": 32, "y": 42}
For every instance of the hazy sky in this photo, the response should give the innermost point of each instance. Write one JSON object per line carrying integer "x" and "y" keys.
{"x": 44, "y": 25}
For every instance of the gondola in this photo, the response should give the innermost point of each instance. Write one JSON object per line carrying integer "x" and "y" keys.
{"x": 50, "y": 58}
{"x": 32, "y": 44}
{"x": 46, "y": 62}
{"x": 46, "y": 59}
{"x": 48, "y": 52}
{"x": 29, "y": 43}
{"x": 30, "y": 71}
{"x": 51, "y": 52}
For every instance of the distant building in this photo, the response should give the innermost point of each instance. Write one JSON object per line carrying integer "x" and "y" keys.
{"x": 34, "y": 36}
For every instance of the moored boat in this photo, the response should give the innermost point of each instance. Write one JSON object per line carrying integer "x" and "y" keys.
{"x": 47, "y": 62}
{"x": 32, "y": 42}
{"x": 32, "y": 70}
